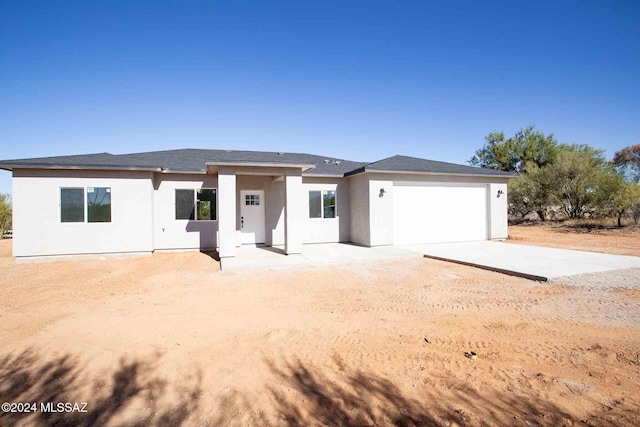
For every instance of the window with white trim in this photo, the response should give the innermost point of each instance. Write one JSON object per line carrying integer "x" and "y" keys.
{"x": 322, "y": 204}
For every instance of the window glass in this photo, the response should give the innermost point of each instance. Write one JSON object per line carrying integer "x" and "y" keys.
{"x": 252, "y": 199}
{"x": 206, "y": 204}
{"x": 315, "y": 204}
{"x": 329, "y": 202}
{"x": 98, "y": 204}
{"x": 72, "y": 204}
{"x": 184, "y": 204}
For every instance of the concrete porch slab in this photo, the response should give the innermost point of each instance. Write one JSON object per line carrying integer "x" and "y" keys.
{"x": 249, "y": 257}
{"x": 332, "y": 253}
{"x": 532, "y": 262}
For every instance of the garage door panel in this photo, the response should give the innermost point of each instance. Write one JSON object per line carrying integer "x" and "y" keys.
{"x": 439, "y": 213}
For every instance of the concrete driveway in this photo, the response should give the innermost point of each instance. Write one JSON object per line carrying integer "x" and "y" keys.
{"x": 532, "y": 262}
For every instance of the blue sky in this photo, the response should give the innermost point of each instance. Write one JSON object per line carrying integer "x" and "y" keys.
{"x": 350, "y": 79}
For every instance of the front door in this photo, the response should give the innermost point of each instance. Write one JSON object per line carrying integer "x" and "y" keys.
{"x": 252, "y": 216}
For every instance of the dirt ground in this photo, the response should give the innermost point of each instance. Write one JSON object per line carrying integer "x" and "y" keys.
{"x": 622, "y": 241}
{"x": 169, "y": 340}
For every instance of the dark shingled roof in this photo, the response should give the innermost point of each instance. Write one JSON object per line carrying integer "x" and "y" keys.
{"x": 98, "y": 160}
{"x": 194, "y": 161}
{"x": 414, "y": 164}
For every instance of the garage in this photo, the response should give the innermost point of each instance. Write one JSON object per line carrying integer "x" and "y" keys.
{"x": 439, "y": 212}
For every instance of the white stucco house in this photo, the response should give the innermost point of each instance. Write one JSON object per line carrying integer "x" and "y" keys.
{"x": 221, "y": 199}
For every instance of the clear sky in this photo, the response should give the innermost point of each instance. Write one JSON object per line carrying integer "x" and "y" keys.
{"x": 360, "y": 80}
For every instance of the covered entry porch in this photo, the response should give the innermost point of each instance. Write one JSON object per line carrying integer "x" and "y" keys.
{"x": 259, "y": 205}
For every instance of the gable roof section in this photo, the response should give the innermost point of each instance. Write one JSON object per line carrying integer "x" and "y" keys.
{"x": 407, "y": 164}
{"x": 195, "y": 160}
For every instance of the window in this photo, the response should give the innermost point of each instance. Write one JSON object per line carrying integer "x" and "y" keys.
{"x": 315, "y": 204}
{"x": 98, "y": 204}
{"x": 199, "y": 204}
{"x": 252, "y": 199}
{"x": 72, "y": 205}
{"x": 185, "y": 201}
{"x": 322, "y": 204}
{"x": 206, "y": 204}
{"x": 329, "y": 203}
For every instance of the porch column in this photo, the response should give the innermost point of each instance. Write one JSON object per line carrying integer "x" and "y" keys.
{"x": 227, "y": 213}
{"x": 293, "y": 214}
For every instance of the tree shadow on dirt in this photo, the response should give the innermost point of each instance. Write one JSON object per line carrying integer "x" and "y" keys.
{"x": 133, "y": 387}
{"x": 353, "y": 397}
{"x": 296, "y": 394}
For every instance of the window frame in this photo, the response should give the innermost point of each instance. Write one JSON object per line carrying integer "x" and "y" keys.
{"x": 195, "y": 204}
{"x": 322, "y": 194}
{"x": 85, "y": 207}
{"x": 95, "y": 189}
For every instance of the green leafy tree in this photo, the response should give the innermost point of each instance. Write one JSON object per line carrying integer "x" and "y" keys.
{"x": 611, "y": 193}
{"x": 633, "y": 194}
{"x": 530, "y": 192}
{"x": 627, "y": 162}
{"x": 574, "y": 177}
{"x": 527, "y": 147}
{"x": 5, "y": 213}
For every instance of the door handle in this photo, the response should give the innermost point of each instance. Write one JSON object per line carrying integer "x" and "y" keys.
{"x": 241, "y": 222}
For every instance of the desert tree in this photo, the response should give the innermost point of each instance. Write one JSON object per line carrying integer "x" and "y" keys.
{"x": 5, "y": 213}
{"x": 527, "y": 147}
{"x": 633, "y": 198}
{"x": 613, "y": 195}
{"x": 530, "y": 192}
{"x": 627, "y": 162}
{"x": 574, "y": 177}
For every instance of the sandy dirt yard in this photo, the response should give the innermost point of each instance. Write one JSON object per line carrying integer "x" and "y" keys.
{"x": 170, "y": 340}
{"x": 623, "y": 241}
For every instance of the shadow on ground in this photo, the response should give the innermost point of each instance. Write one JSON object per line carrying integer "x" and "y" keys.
{"x": 132, "y": 394}
{"x": 297, "y": 394}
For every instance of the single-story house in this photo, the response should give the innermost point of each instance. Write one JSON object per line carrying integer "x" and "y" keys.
{"x": 222, "y": 199}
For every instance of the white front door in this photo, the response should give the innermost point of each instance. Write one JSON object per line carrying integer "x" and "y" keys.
{"x": 252, "y": 216}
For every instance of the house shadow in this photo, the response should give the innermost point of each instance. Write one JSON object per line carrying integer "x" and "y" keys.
{"x": 207, "y": 236}
{"x": 275, "y": 249}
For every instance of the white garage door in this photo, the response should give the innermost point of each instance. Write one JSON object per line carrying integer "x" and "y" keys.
{"x": 439, "y": 213}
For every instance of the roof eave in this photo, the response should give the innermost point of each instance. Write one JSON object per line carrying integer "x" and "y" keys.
{"x": 325, "y": 175}
{"x": 304, "y": 167}
{"x": 12, "y": 166}
{"x": 475, "y": 175}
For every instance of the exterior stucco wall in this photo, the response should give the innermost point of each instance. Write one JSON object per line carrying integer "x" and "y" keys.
{"x": 359, "y": 225}
{"x": 36, "y": 213}
{"x": 326, "y": 230}
{"x": 143, "y": 210}
{"x": 381, "y": 212}
{"x": 498, "y": 215}
{"x": 274, "y": 213}
{"x": 171, "y": 233}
